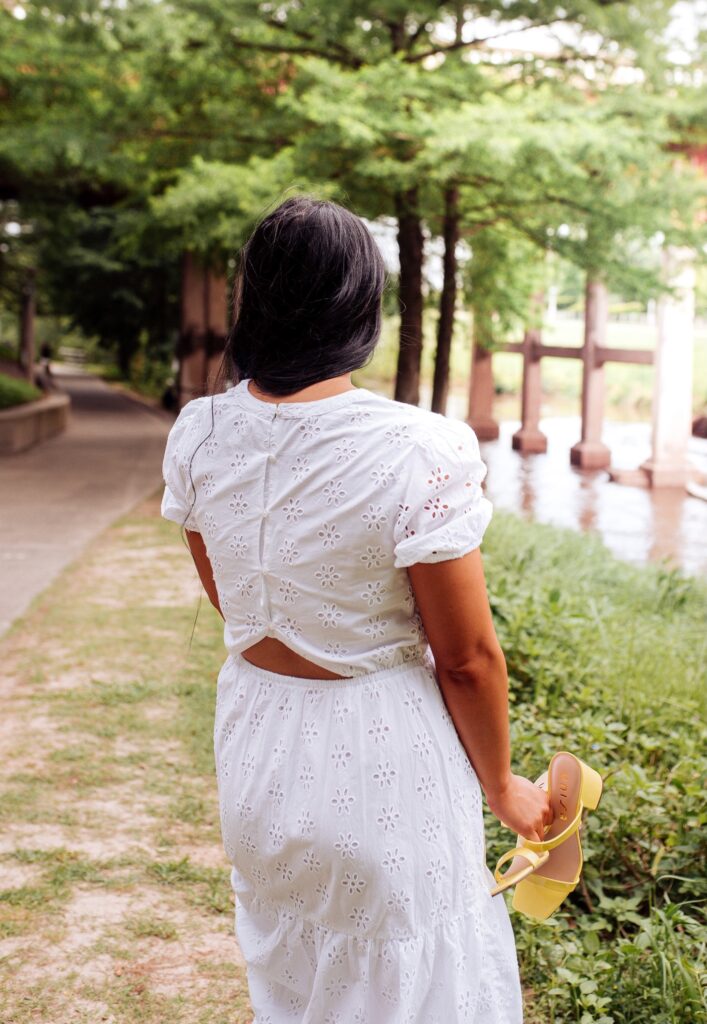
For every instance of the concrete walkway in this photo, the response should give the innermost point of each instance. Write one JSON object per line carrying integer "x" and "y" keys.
{"x": 57, "y": 496}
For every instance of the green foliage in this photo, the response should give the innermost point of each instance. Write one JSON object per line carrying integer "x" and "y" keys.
{"x": 212, "y": 206}
{"x": 110, "y": 273}
{"x": 608, "y": 661}
{"x": 499, "y": 281}
{"x": 16, "y": 392}
{"x": 131, "y": 131}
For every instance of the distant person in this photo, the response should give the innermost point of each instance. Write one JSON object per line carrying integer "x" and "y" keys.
{"x": 170, "y": 398}
{"x": 363, "y": 704}
{"x": 43, "y": 376}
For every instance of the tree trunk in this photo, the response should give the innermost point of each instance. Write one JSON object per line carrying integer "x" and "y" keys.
{"x": 448, "y": 300}
{"x": 411, "y": 246}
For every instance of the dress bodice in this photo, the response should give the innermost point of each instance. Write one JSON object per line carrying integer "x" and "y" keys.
{"x": 311, "y": 512}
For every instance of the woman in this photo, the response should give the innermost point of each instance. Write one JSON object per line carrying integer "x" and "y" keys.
{"x": 362, "y": 707}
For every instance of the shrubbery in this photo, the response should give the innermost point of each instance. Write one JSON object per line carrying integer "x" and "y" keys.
{"x": 609, "y": 661}
{"x": 16, "y": 392}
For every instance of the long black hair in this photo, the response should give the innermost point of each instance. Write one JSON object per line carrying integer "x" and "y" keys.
{"x": 307, "y": 297}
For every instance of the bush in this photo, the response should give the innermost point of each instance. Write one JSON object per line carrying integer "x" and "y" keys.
{"x": 16, "y": 392}
{"x": 608, "y": 661}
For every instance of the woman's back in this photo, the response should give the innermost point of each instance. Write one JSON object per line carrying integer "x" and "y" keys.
{"x": 311, "y": 511}
{"x": 350, "y": 805}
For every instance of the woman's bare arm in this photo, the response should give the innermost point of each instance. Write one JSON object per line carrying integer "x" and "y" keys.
{"x": 471, "y": 670}
{"x": 203, "y": 567}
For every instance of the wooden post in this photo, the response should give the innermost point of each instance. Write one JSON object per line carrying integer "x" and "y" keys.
{"x": 590, "y": 452}
{"x": 28, "y": 305}
{"x": 480, "y": 414}
{"x": 530, "y": 438}
{"x": 668, "y": 465}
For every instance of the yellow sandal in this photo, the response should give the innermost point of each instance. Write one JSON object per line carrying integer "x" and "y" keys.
{"x": 547, "y": 871}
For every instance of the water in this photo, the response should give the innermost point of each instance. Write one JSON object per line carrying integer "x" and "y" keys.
{"x": 637, "y": 524}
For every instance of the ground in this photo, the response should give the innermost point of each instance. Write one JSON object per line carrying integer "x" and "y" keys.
{"x": 115, "y": 902}
{"x": 59, "y": 494}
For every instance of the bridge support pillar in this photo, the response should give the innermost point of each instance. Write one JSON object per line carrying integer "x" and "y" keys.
{"x": 590, "y": 452}
{"x": 530, "y": 438}
{"x": 669, "y": 465}
{"x": 480, "y": 416}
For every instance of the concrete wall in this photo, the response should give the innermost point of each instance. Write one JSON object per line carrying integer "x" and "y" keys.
{"x": 25, "y": 425}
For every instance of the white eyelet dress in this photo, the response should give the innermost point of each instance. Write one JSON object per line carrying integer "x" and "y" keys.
{"x": 350, "y": 812}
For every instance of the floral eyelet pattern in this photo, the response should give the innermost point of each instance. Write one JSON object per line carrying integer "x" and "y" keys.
{"x": 360, "y": 881}
{"x": 309, "y": 518}
{"x": 350, "y": 812}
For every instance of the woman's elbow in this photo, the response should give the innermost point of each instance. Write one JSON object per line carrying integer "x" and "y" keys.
{"x": 485, "y": 664}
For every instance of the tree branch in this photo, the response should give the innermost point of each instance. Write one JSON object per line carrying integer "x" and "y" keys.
{"x": 460, "y": 44}
{"x": 309, "y": 37}
{"x": 304, "y": 51}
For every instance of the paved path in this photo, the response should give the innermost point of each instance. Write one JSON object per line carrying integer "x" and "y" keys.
{"x": 57, "y": 496}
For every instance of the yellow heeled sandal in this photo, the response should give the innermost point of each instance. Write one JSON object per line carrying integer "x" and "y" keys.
{"x": 553, "y": 865}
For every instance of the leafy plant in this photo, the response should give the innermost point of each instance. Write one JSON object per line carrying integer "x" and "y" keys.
{"x": 608, "y": 660}
{"x": 16, "y": 392}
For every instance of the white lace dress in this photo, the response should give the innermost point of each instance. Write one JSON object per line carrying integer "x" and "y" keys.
{"x": 350, "y": 812}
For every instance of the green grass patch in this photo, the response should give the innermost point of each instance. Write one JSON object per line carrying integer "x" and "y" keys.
{"x": 604, "y": 659}
{"x": 16, "y": 392}
{"x": 61, "y": 871}
{"x": 202, "y": 887}
{"x": 150, "y": 926}
{"x": 609, "y": 661}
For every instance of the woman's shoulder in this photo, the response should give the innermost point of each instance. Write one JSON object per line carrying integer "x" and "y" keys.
{"x": 193, "y": 409}
{"x": 410, "y": 426}
{"x": 187, "y": 424}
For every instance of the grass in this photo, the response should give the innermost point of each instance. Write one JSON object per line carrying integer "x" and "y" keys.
{"x": 115, "y": 901}
{"x": 609, "y": 661}
{"x": 16, "y": 392}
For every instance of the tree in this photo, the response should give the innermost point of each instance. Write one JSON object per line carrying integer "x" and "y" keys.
{"x": 373, "y": 80}
{"x": 191, "y": 119}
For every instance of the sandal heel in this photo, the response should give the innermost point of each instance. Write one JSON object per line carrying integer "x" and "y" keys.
{"x": 592, "y": 786}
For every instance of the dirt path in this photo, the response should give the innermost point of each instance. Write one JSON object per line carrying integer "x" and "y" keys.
{"x": 57, "y": 496}
{"x": 115, "y": 902}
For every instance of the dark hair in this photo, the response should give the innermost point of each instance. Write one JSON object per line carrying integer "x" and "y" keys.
{"x": 307, "y": 297}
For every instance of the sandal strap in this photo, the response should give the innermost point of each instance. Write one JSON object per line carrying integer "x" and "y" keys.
{"x": 550, "y": 844}
{"x": 535, "y": 860}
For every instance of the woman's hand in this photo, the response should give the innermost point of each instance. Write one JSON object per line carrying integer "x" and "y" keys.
{"x": 522, "y": 806}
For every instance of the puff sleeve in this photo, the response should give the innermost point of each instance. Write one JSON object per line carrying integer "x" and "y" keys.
{"x": 179, "y": 495}
{"x": 444, "y": 513}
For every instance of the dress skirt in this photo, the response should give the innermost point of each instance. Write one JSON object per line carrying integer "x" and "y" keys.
{"x": 352, "y": 819}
